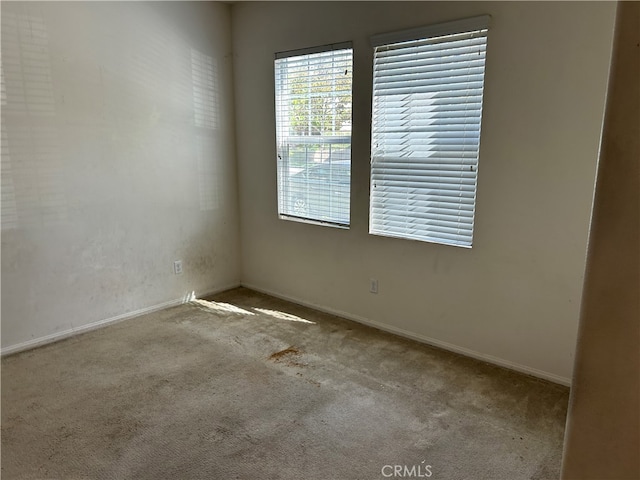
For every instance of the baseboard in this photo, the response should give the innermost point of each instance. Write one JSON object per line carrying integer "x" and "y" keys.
{"x": 420, "y": 338}
{"x": 37, "y": 342}
{"x": 55, "y": 337}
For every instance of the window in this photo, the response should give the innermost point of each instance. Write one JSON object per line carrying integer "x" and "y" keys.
{"x": 313, "y": 134}
{"x": 427, "y": 105}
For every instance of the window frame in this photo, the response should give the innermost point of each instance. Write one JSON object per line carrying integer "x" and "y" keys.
{"x": 381, "y": 217}
{"x": 282, "y": 153}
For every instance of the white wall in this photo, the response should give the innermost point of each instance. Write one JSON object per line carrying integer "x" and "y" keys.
{"x": 117, "y": 158}
{"x": 513, "y": 298}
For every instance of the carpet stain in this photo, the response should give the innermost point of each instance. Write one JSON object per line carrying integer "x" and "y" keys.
{"x": 289, "y": 356}
{"x": 287, "y": 352}
{"x": 313, "y": 382}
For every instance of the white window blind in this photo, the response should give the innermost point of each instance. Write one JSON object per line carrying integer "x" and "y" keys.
{"x": 427, "y": 105}
{"x": 313, "y": 133}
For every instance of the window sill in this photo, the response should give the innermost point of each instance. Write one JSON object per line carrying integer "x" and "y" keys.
{"x": 313, "y": 222}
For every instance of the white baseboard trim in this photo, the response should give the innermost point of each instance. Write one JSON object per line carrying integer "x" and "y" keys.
{"x": 420, "y": 338}
{"x": 55, "y": 337}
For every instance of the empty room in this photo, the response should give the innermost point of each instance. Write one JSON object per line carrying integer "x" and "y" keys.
{"x": 320, "y": 240}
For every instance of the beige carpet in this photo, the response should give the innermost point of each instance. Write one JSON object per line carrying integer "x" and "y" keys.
{"x": 251, "y": 387}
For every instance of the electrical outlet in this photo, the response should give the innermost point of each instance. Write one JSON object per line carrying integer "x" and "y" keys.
{"x": 373, "y": 285}
{"x": 177, "y": 267}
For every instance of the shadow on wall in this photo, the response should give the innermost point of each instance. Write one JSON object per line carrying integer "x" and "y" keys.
{"x": 204, "y": 74}
{"x": 33, "y": 192}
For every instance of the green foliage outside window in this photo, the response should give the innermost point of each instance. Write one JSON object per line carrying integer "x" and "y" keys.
{"x": 321, "y": 101}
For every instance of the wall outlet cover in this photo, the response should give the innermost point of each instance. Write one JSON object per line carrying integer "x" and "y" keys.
{"x": 177, "y": 267}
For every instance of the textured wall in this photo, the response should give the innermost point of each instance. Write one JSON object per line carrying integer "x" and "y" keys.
{"x": 514, "y": 298}
{"x": 603, "y": 430}
{"x": 117, "y": 158}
